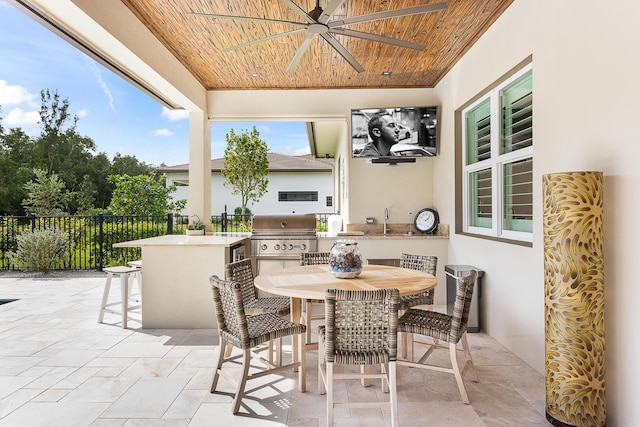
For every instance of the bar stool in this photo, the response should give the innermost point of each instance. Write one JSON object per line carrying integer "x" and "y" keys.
{"x": 125, "y": 273}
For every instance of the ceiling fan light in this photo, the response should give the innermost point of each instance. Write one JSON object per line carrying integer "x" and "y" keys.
{"x": 386, "y": 73}
{"x": 254, "y": 75}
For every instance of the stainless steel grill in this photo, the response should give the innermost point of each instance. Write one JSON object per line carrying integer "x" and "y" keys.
{"x": 277, "y": 240}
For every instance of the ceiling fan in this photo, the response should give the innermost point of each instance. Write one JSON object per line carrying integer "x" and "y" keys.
{"x": 318, "y": 22}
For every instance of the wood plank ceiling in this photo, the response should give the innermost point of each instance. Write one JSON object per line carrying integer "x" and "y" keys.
{"x": 198, "y": 42}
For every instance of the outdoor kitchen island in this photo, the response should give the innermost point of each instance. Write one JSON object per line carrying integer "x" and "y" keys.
{"x": 176, "y": 293}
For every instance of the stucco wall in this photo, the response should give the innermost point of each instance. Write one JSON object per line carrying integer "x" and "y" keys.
{"x": 586, "y": 88}
{"x": 322, "y": 182}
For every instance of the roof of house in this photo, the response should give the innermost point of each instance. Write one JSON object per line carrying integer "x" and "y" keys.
{"x": 277, "y": 163}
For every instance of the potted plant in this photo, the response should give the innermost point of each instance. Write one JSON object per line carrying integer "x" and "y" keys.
{"x": 196, "y": 227}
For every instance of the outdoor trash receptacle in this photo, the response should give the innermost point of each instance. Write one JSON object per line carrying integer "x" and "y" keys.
{"x": 453, "y": 272}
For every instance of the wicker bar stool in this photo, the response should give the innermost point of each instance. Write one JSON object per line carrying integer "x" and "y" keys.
{"x": 428, "y": 264}
{"x": 361, "y": 328}
{"x": 443, "y": 327}
{"x": 248, "y": 333}
{"x": 312, "y": 258}
{"x": 124, "y": 273}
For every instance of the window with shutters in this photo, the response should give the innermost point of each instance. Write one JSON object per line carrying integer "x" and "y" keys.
{"x": 497, "y": 169}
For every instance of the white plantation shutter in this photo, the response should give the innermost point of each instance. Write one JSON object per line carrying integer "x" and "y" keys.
{"x": 498, "y": 161}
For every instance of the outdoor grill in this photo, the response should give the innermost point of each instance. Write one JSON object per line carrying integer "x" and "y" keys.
{"x": 277, "y": 240}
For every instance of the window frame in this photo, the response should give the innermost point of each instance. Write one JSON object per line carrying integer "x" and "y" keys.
{"x": 293, "y": 196}
{"x": 495, "y": 163}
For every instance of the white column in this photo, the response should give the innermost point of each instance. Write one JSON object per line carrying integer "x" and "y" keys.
{"x": 200, "y": 167}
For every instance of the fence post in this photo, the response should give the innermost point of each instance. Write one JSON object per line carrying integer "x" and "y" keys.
{"x": 33, "y": 222}
{"x": 224, "y": 222}
{"x": 170, "y": 223}
{"x": 100, "y": 241}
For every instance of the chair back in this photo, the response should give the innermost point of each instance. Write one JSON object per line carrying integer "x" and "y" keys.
{"x": 242, "y": 272}
{"x": 462, "y": 305}
{"x": 425, "y": 263}
{"x": 361, "y": 327}
{"x": 229, "y": 309}
{"x": 314, "y": 258}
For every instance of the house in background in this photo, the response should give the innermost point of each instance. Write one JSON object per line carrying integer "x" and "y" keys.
{"x": 299, "y": 184}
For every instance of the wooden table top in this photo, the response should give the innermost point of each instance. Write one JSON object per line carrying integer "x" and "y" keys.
{"x": 311, "y": 281}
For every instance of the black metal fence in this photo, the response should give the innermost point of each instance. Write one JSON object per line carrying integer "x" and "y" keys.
{"x": 92, "y": 237}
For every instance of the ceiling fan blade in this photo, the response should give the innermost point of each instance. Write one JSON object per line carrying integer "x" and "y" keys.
{"x": 330, "y": 10}
{"x": 377, "y": 38}
{"x": 301, "y": 50}
{"x": 247, "y": 18}
{"x": 342, "y": 51}
{"x": 304, "y": 15}
{"x": 264, "y": 39}
{"x": 415, "y": 10}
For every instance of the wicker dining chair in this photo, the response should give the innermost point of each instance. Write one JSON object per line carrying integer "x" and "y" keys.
{"x": 248, "y": 333}
{"x": 361, "y": 328}
{"x": 312, "y": 258}
{"x": 428, "y": 264}
{"x": 242, "y": 272}
{"x": 443, "y": 327}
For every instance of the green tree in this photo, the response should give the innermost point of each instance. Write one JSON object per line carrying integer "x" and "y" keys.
{"x": 86, "y": 196}
{"x": 129, "y": 165}
{"x": 246, "y": 165}
{"x": 45, "y": 195}
{"x": 15, "y": 170}
{"x": 142, "y": 195}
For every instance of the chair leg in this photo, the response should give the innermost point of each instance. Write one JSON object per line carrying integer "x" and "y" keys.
{"x": 302, "y": 372}
{"x": 329, "y": 387}
{"x": 105, "y": 297}
{"x": 223, "y": 350}
{"x": 409, "y": 347}
{"x": 385, "y": 381}
{"x": 270, "y": 352}
{"x": 307, "y": 318}
{"x": 393, "y": 393}
{"x": 366, "y": 382}
{"x": 279, "y": 352}
{"x": 246, "y": 361}
{"x": 467, "y": 354}
{"x": 124, "y": 295}
{"x": 456, "y": 372}
{"x": 322, "y": 388}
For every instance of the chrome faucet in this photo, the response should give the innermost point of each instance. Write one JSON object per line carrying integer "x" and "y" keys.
{"x": 386, "y": 218}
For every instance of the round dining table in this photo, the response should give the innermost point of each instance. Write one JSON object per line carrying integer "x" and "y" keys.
{"x": 311, "y": 282}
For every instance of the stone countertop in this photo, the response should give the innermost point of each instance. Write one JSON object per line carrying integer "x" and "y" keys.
{"x": 365, "y": 232}
{"x": 216, "y": 239}
{"x": 375, "y": 236}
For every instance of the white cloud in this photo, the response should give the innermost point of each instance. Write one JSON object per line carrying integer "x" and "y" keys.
{"x": 174, "y": 115}
{"x": 19, "y": 117}
{"x": 163, "y": 132}
{"x": 15, "y": 95}
{"x": 98, "y": 75}
{"x": 82, "y": 113}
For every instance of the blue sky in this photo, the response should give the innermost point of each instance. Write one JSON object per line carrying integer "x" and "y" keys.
{"x": 116, "y": 115}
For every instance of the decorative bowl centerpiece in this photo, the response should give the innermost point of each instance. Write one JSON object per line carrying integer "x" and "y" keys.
{"x": 345, "y": 260}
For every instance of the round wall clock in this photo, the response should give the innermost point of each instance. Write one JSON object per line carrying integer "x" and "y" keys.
{"x": 426, "y": 220}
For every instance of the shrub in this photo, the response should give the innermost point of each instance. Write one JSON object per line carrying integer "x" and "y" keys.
{"x": 40, "y": 250}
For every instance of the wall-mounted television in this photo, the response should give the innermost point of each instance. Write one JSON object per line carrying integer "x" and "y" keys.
{"x": 394, "y": 132}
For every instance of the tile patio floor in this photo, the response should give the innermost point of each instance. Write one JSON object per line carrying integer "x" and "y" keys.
{"x": 59, "y": 368}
